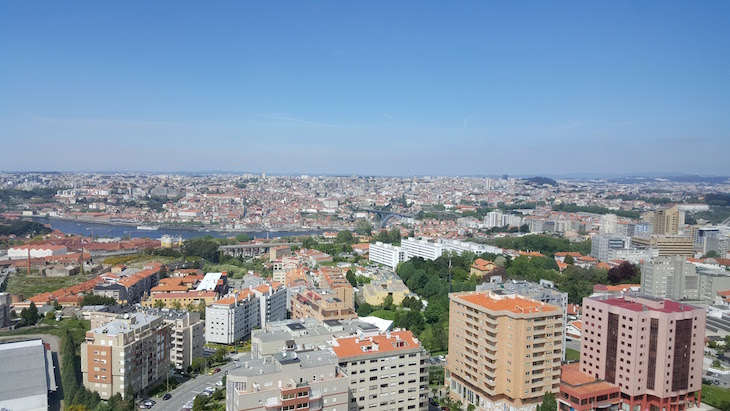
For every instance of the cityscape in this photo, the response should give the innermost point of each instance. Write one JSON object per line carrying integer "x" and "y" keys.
{"x": 365, "y": 207}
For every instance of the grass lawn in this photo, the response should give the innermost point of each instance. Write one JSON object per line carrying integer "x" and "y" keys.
{"x": 32, "y": 285}
{"x": 384, "y": 314}
{"x": 715, "y": 395}
{"x": 571, "y": 354}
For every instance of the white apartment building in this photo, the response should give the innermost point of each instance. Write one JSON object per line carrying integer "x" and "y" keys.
{"x": 232, "y": 318}
{"x": 387, "y": 254}
{"x": 499, "y": 219}
{"x": 421, "y": 248}
{"x": 288, "y": 381}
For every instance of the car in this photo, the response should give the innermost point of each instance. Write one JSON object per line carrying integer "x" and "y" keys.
{"x": 167, "y": 396}
{"x": 442, "y": 358}
{"x": 219, "y": 383}
{"x": 209, "y": 389}
{"x": 205, "y": 394}
{"x": 149, "y": 403}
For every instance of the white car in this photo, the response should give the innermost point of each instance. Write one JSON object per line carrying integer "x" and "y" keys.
{"x": 209, "y": 389}
{"x": 219, "y": 383}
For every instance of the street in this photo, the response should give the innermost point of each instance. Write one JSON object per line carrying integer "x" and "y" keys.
{"x": 187, "y": 391}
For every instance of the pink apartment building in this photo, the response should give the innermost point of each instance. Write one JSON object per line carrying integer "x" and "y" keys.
{"x": 650, "y": 348}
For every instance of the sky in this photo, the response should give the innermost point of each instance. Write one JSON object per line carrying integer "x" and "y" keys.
{"x": 369, "y": 87}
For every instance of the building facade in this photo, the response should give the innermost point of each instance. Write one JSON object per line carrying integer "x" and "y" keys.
{"x": 650, "y": 348}
{"x": 386, "y": 254}
{"x": 504, "y": 350}
{"x": 544, "y": 292}
{"x": 288, "y": 381}
{"x": 232, "y": 318}
{"x": 387, "y": 371}
{"x": 132, "y": 351}
{"x": 321, "y": 304}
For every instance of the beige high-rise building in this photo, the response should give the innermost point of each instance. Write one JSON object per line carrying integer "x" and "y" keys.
{"x": 666, "y": 220}
{"x": 665, "y": 245}
{"x": 132, "y": 351}
{"x": 504, "y": 350}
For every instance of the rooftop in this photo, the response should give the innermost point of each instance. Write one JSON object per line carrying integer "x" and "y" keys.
{"x": 25, "y": 372}
{"x": 345, "y": 347}
{"x": 642, "y": 302}
{"x": 512, "y": 302}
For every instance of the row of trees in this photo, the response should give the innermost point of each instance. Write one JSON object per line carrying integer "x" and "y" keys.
{"x": 543, "y": 244}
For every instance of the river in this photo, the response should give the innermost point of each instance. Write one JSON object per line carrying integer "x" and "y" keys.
{"x": 114, "y": 230}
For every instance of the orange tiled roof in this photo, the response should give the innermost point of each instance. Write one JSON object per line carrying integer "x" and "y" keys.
{"x": 354, "y": 346}
{"x": 515, "y": 304}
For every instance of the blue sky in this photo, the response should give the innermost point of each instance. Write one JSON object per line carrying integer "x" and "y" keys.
{"x": 384, "y": 88}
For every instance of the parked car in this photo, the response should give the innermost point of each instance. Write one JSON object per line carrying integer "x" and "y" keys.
{"x": 219, "y": 383}
{"x": 209, "y": 389}
{"x": 442, "y": 358}
{"x": 167, "y": 396}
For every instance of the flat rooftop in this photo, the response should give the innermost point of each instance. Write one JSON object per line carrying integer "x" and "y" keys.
{"x": 641, "y": 302}
{"x": 26, "y": 372}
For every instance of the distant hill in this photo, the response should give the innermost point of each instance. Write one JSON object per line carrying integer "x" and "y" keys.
{"x": 542, "y": 180}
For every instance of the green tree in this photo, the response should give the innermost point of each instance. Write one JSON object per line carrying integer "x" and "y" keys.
{"x": 129, "y": 398}
{"x": 388, "y": 303}
{"x": 364, "y": 310}
{"x": 243, "y": 238}
{"x": 569, "y": 260}
{"x": 711, "y": 254}
{"x": 382, "y": 236}
{"x": 344, "y": 236}
{"x": 716, "y": 364}
{"x": 201, "y": 247}
{"x": 159, "y": 304}
{"x": 351, "y": 278}
{"x": 549, "y": 403}
{"x": 470, "y": 407}
{"x": 177, "y": 305}
{"x": 220, "y": 354}
{"x": 198, "y": 364}
{"x": 363, "y": 227}
{"x": 433, "y": 287}
{"x": 394, "y": 235}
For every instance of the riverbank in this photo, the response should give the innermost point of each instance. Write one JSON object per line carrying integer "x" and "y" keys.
{"x": 125, "y": 229}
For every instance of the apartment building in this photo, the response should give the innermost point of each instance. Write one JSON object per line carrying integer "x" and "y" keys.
{"x": 232, "y": 318}
{"x": 676, "y": 278}
{"x": 305, "y": 334}
{"x": 544, "y": 292}
{"x": 650, "y": 348}
{"x": 387, "y": 371}
{"x": 667, "y": 220}
{"x": 387, "y": 254}
{"x": 602, "y": 245}
{"x": 383, "y": 285}
{"x": 423, "y": 248}
{"x": 187, "y": 335}
{"x": 288, "y": 381}
{"x": 333, "y": 279}
{"x": 322, "y": 305}
{"x": 131, "y": 351}
{"x": 666, "y": 245}
{"x": 504, "y": 350}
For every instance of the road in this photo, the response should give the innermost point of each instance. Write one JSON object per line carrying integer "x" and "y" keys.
{"x": 188, "y": 390}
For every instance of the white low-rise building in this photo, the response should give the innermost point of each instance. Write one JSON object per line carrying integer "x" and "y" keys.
{"x": 36, "y": 251}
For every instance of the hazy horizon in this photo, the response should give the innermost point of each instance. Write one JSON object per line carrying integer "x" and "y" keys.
{"x": 550, "y": 89}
